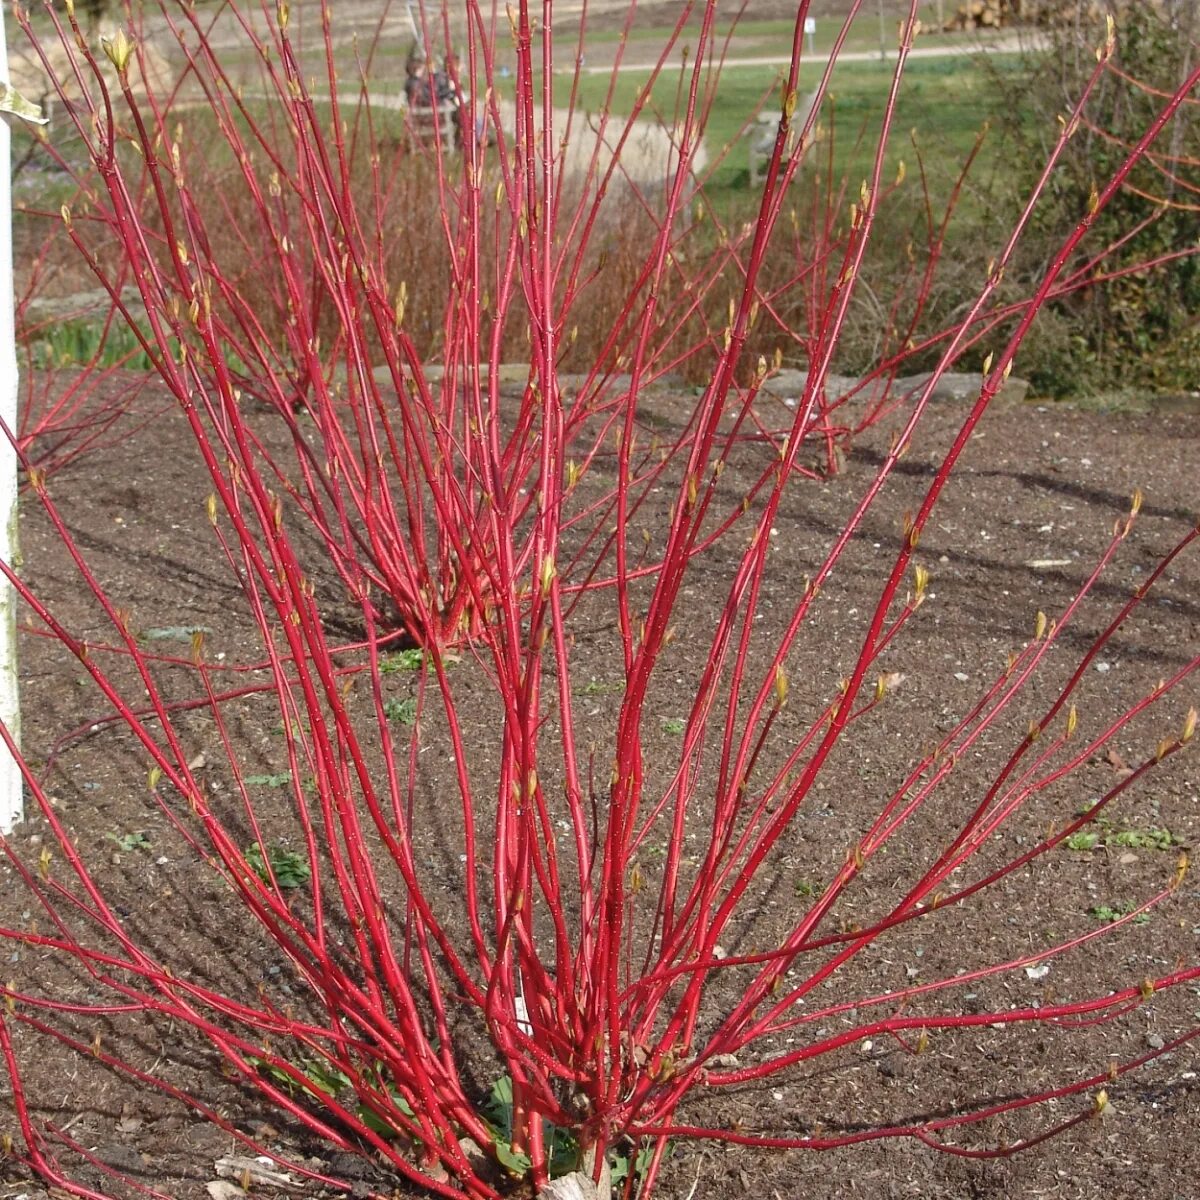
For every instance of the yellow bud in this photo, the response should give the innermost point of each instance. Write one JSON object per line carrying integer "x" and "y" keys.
{"x": 1181, "y": 869}
{"x": 118, "y": 48}
{"x": 153, "y": 777}
{"x": 987, "y": 364}
{"x": 921, "y": 581}
{"x": 1103, "y": 53}
{"x": 1039, "y": 627}
{"x": 781, "y": 686}
{"x": 1100, "y": 1102}
{"x": 1146, "y": 990}
{"x": 548, "y": 573}
{"x": 885, "y": 683}
{"x": 1072, "y": 720}
{"x": 1135, "y": 502}
{"x": 1189, "y": 726}
{"x": 211, "y": 506}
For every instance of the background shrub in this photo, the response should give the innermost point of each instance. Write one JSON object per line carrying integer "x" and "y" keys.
{"x": 1140, "y": 323}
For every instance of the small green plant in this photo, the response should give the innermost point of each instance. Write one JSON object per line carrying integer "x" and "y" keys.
{"x": 130, "y": 841}
{"x": 281, "y": 779}
{"x": 321, "y": 1079}
{"x": 1151, "y": 838}
{"x": 291, "y": 870}
{"x": 174, "y": 633}
{"x": 1143, "y": 839}
{"x": 403, "y": 660}
{"x": 594, "y": 687}
{"x": 674, "y": 725}
{"x": 1108, "y": 913}
{"x": 563, "y": 1148}
{"x": 402, "y": 711}
{"x": 80, "y": 342}
{"x": 806, "y": 889}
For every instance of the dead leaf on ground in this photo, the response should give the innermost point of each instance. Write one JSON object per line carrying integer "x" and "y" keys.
{"x": 1118, "y": 764}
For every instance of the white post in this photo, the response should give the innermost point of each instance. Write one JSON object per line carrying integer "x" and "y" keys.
{"x": 11, "y": 799}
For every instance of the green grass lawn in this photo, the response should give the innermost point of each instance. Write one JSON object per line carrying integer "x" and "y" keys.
{"x": 943, "y": 102}
{"x": 773, "y": 37}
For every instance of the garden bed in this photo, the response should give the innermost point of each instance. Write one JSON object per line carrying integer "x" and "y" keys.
{"x": 1016, "y": 532}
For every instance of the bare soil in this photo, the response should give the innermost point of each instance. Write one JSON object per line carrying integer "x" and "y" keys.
{"x": 1018, "y": 532}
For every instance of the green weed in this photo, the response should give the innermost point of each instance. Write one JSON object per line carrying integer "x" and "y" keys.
{"x": 1108, "y": 913}
{"x": 291, "y": 870}
{"x": 403, "y": 660}
{"x": 130, "y": 841}
{"x": 281, "y": 779}
{"x": 595, "y": 688}
{"x": 404, "y": 712}
{"x": 174, "y": 633}
{"x": 324, "y": 1081}
{"x": 1143, "y": 839}
{"x": 1151, "y": 838}
{"x": 564, "y": 1149}
{"x": 80, "y": 342}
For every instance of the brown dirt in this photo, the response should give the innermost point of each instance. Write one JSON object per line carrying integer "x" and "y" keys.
{"x": 1037, "y": 484}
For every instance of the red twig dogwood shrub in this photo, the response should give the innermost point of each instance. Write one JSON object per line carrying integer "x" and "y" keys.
{"x": 76, "y": 397}
{"x": 311, "y": 256}
{"x": 566, "y": 902}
